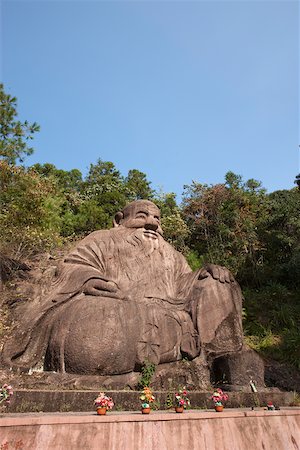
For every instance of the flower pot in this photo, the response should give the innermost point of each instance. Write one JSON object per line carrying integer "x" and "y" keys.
{"x": 146, "y": 410}
{"x": 101, "y": 411}
{"x": 179, "y": 409}
{"x": 219, "y": 408}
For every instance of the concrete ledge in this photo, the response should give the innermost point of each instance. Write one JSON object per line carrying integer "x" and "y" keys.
{"x": 207, "y": 430}
{"x": 79, "y": 400}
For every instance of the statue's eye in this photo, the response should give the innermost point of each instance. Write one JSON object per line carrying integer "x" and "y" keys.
{"x": 141, "y": 216}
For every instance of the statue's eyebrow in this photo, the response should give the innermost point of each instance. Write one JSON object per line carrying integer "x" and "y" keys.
{"x": 141, "y": 211}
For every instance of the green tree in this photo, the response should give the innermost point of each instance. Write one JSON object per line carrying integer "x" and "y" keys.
{"x": 14, "y": 134}
{"x": 30, "y": 212}
{"x": 138, "y": 186}
{"x": 69, "y": 184}
{"x": 224, "y": 221}
{"x": 106, "y": 188}
{"x": 88, "y": 216}
{"x": 281, "y": 237}
{"x": 232, "y": 180}
{"x": 166, "y": 203}
{"x": 67, "y": 180}
{"x": 175, "y": 229}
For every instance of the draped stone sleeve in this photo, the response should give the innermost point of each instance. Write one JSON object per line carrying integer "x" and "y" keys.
{"x": 214, "y": 306}
{"x": 85, "y": 262}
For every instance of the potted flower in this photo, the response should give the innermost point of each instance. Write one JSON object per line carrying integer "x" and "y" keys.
{"x": 270, "y": 406}
{"x": 6, "y": 393}
{"x": 103, "y": 403}
{"x": 147, "y": 398}
{"x": 181, "y": 400}
{"x": 218, "y": 398}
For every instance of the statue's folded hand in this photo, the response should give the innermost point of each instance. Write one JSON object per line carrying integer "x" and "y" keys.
{"x": 217, "y": 272}
{"x": 101, "y": 288}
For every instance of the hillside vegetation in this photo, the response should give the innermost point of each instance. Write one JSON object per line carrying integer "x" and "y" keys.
{"x": 235, "y": 223}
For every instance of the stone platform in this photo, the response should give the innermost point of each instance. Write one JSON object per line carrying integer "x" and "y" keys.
{"x": 28, "y": 400}
{"x": 205, "y": 430}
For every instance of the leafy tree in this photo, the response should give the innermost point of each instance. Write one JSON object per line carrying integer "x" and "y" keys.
{"x": 30, "y": 211}
{"x": 105, "y": 186}
{"x": 14, "y": 135}
{"x": 67, "y": 180}
{"x": 90, "y": 204}
{"x": 174, "y": 227}
{"x": 87, "y": 217}
{"x": 138, "y": 186}
{"x": 232, "y": 180}
{"x": 69, "y": 184}
{"x": 103, "y": 171}
{"x": 166, "y": 203}
{"x": 176, "y": 231}
{"x": 297, "y": 180}
{"x": 281, "y": 237}
{"x": 254, "y": 186}
{"x": 224, "y": 221}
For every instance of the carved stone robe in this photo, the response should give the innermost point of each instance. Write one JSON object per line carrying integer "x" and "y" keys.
{"x": 165, "y": 311}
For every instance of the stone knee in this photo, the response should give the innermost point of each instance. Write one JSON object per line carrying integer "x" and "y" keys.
{"x": 217, "y": 313}
{"x": 94, "y": 335}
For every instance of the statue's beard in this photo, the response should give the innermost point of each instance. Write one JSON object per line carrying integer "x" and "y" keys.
{"x": 144, "y": 241}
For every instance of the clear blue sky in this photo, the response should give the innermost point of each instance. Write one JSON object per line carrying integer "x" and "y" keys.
{"x": 179, "y": 90}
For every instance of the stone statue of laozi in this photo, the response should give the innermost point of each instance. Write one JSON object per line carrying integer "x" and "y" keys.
{"x": 125, "y": 296}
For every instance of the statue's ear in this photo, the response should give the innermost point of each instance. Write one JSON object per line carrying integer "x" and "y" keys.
{"x": 118, "y": 217}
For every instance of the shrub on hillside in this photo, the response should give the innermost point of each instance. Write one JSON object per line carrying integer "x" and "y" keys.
{"x": 30, "y": 211}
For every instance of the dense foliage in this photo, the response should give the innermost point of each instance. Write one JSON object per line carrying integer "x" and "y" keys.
{"x": 257, "y": 236}
{"x": 30, "y": 211}
{"x": 224, "y": 220}
{"x": 234, "y": 223}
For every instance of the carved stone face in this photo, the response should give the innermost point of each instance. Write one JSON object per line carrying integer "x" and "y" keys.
{"x": 142, "y": 214}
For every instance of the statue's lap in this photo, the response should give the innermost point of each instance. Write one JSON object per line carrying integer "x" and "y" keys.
{"x": 101, "y": 335}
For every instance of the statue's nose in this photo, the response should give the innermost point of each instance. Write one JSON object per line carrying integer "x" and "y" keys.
{"x": 151, "y": 224}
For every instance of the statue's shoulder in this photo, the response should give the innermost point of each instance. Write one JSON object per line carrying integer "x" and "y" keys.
{"x": 96, "y": 236}
{"x": 101, "y": 233}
